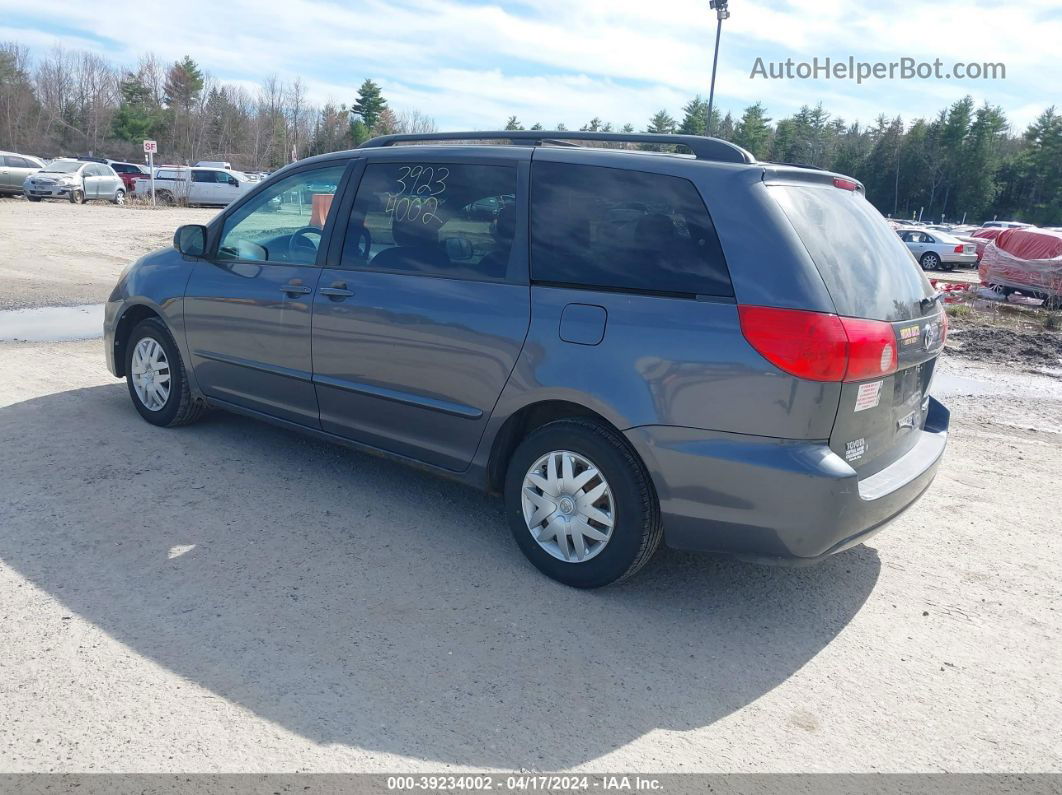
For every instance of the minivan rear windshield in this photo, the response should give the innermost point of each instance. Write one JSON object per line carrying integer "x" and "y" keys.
{"x": 867, "y": 270}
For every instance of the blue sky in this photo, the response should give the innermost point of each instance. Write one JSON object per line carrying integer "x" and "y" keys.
{"x": 471, "y": 64}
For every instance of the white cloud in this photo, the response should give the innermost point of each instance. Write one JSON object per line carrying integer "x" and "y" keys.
{"x": 472, "y": 65}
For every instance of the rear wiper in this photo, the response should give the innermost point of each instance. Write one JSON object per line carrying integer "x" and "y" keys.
{"x": 926, "y": 303}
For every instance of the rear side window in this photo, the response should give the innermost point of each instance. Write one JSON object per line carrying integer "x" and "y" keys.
{"x": 18, "y": 162}
{"x": 434, "y": 219}
{"x": 867, "y": 269}
{"x": 593, "y": 226}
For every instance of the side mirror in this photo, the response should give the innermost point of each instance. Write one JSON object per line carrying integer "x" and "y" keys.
{"x": 190, "y": 240}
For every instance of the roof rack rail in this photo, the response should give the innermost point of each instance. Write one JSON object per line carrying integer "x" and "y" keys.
{"x": 701, "y": 147}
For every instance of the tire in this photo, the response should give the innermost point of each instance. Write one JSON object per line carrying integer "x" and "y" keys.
{"x": 119, "y": 197}
{"x": 636, "y": 527}
{"x": 1053, "y": 302}
{"x": 930, "y": 261}
{"x": 179, "y": 407}
{"x": 77, "y": 196}
{"x": 164, "y": 197}
{"x": 33, "y": 198}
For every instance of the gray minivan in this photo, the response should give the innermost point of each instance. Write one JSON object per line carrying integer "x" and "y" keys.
{"x": 629, "y": 345}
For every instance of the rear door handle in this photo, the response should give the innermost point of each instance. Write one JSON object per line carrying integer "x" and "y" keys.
{"x": 294, "y": 289}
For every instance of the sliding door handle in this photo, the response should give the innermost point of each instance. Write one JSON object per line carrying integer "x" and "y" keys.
{"x": 337, "y": 291}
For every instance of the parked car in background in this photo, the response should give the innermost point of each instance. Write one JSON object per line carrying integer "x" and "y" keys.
{"x": 749, "y": 375}
{"x": 1005, "y": 224}
{"x": 14, "y": 168}
{"x": 982, "y": 237}
{"x": 206, "y": 186}
{"x": 1026, "y": 260}
{"x": 935, "y": 250}
{"x": 78, "y": 181}
{"x": 128, "y": 173}
{"x": 214, "y": 164}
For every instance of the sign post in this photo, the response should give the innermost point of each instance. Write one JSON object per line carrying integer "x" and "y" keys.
{"x": 150, "y": 147}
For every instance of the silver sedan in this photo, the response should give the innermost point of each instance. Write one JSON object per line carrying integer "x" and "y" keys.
{"x": 76, "y": 180}
{"x": 934, "y": 249}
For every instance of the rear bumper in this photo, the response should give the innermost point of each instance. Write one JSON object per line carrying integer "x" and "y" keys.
{"x": 959, "y": 259}
{"x": 776, "y": 500}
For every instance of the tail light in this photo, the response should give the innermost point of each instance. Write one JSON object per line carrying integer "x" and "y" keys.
{"x": 845, "y": 184}
{"x": 819, "y": 346}
{"x": 958, "y": 248}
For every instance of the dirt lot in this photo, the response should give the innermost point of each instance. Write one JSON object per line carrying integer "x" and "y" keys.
{"x": 54, "y": 253}
{"x": 233, "y": 597}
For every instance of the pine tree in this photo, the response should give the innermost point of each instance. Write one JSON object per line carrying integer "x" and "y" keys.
{"x": 369, "y": 105}
{"x": 695, "y": 120}
{"x": 752, "y": 132}
{"x": 661, "y": 123}
{"x": 513, "y": 124}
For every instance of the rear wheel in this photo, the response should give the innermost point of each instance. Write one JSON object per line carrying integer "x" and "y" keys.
{"x": 156, "y": 377}
{"x": 930, "y": 261}
{"x": 580, "y": 504}
{"x": 119, "y": 197}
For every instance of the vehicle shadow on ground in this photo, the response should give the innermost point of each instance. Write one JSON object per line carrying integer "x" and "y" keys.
{"x": 357, "y": 601}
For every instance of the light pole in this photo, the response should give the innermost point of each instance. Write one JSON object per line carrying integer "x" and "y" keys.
{"x": 721, "y": 13}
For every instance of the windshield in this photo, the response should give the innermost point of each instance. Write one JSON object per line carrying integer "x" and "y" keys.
{"x": 64, "y": 166}
{"x": 867, "y": 270}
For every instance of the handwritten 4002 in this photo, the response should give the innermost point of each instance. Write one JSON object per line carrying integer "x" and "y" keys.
{"x": 418, "y": 195}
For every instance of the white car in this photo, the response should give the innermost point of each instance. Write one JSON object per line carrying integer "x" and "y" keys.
{"x": 78, "y": 181}
{"x": 935, "y": 249}
{"x": 182, "y": 185}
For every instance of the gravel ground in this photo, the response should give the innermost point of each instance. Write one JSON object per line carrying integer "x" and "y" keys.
{"x": 232, "y": 597}
{"x": 1008, "y": 346}
{"x": 54, "y": 253}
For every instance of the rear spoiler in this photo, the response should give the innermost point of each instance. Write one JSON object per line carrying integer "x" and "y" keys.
{"x": 794, "y": 173}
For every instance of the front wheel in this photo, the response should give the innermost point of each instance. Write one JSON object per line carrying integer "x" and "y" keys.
{"x": 156, "y": 378}
{"x": 33, "y": 198}
{"x": 77, "y": 197}
{"x": 930, "y": 261}
{"x": 580, "y": 504}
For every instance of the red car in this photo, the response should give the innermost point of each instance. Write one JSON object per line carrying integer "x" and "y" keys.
{"x": 128, "y": 172}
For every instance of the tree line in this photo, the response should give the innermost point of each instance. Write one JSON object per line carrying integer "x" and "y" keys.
{"x": 963, "y": 161}
{"x": 79, "y": 103}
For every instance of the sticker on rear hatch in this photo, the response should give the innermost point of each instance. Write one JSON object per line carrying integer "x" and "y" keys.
{"x": 854, "y": 449}
{"x": 868, "y": 396}
{"x": 909, "y": 335}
